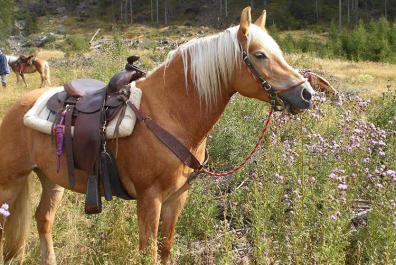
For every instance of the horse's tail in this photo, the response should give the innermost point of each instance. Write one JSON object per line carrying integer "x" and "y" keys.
{"x": 18, "y": 223}
{"x": 47, "y": 73}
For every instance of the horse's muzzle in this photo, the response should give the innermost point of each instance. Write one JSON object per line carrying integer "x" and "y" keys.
{"x": 298, "y": 98}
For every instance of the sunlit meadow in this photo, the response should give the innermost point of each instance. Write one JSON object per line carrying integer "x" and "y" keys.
{"x": 321, "y": 189}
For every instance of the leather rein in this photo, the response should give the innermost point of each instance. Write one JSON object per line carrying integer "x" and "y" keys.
{"x": 182, "y": 152}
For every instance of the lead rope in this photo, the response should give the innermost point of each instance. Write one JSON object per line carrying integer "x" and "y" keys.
{"x": 254, "y": 150}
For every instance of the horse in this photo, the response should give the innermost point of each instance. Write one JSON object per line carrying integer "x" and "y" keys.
{"x": 28, "y": 65}
{"x": 186, "y": 95}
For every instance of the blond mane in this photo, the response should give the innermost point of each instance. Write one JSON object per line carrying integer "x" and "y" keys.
{"x": 212, "y": 60}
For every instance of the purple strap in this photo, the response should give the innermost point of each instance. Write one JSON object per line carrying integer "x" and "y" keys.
{"x": 59, "y": 132}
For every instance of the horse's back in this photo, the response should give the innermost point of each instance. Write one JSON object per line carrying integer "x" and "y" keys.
{"x": 18, "y": 110}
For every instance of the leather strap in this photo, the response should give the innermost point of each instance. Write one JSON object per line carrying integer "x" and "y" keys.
{"x": 167, "y": 139}
{"x": 69, "y": 144}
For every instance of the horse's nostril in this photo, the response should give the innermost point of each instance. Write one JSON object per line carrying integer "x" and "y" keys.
{"x": 306, "y": 95}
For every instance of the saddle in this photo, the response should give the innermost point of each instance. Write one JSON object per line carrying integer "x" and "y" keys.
{"x": 88, "y": 105}
{"x": 24, "y": 62}
{"x": 27, "y": 60}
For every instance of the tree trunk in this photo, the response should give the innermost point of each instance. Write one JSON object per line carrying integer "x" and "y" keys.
{"x": 386, "y": 8}
{"x": 317, "y": 10}
{"x": 166, "y": 12}
{"x": 121, "y": 11}
{"x": 340, "y": 14}
{"x": 126, "y": 11}
{"x": 131, "y": 10}
{"x": 221, "y": 7}
{"x": 112, "y": 10}
{"x": 151, "y": 10}
{"x": 157, "y": 12}
{"x": 226, "y": 7}
{"x": 349, "y": 12}
{"x": 252, "y": 4}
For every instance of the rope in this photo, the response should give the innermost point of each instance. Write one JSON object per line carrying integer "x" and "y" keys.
{"x": 254, "y": 150}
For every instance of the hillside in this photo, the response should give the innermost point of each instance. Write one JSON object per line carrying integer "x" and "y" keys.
{"x": 286, "y": 207}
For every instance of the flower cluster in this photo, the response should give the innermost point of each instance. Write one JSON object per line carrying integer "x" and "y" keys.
{"x": 4, "y": 210}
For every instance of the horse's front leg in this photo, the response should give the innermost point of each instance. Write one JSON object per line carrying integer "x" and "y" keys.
{"x": 148, "y": 211}
{"x": 24, "y": 80}
{"x": 18, "y": 78}
{"x": 170, "y": 213}
{"x": 45, "y": 216}
{"x": 43, "y": 81}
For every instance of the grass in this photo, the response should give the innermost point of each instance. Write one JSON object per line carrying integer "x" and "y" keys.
{"x": 286, "y": 207}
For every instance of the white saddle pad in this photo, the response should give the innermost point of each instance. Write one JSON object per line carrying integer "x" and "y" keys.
{"x": 40, "y": 118}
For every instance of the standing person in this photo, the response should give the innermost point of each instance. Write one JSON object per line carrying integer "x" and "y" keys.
{"x": 4, "y": 69}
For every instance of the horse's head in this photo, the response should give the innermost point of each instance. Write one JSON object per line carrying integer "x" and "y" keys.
{"x": 265, "y": 63}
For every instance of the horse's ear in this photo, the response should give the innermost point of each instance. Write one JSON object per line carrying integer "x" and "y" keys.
{"x": 246, "y": 20}
{"x": 261, "y": 20}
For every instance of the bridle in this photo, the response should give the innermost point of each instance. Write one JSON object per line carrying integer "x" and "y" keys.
{"x": 264, "y": 83}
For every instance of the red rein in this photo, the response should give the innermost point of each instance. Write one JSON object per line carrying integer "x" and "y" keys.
{"x": 238, "y": 168}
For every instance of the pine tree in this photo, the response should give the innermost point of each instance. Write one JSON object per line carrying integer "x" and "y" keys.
{"x": 6, "y": 18}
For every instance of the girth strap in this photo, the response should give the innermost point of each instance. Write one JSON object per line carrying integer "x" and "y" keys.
{"x": 167, "y": 139}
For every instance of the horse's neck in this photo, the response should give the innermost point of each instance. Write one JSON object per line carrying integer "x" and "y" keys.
{"x": 180, "y": 110}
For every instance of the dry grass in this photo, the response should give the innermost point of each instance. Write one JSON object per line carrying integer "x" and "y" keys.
{"x": 365, "y": 78}
{"x": 50, "y": 54}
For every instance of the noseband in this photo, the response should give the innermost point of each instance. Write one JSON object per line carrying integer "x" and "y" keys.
{"x": 264, "y": 83}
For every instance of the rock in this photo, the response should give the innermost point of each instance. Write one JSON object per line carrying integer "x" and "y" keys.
{"x": 61, "y": 29}
{"x": 164, "y": 42}
{"x": 61, "y": 10}
{"x": 16, "y": 43}
{"x": 41, "y": 40}
{"x": 20, "y": 24}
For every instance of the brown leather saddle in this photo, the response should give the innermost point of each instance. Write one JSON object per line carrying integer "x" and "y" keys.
{"x": 88, "y": 105}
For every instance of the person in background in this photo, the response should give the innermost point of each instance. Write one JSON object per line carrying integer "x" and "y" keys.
{"x": 4, "y": 69}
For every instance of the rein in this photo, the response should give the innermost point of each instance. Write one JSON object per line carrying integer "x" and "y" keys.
{"x": 182, "y": 152}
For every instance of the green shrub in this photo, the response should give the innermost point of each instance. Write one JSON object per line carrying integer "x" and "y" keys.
{"x": 77, "y": 43}
{"x": 373, "y": 42}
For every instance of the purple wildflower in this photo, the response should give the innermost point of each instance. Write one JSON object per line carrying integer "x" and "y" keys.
{"x": 4, "y": 212}
{"x": 391, "y": 173}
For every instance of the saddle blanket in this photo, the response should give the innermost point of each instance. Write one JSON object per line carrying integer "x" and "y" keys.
{"x": 40, "y": 118}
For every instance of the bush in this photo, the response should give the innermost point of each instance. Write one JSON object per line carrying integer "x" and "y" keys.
{"x": 77, "y": 43}
{"x": 373, "y": 42}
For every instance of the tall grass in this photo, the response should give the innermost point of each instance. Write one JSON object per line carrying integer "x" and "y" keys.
{"x": 293, "y": 204}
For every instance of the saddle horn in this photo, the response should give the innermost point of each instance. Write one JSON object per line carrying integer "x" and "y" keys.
{"x": 126, "y": 76}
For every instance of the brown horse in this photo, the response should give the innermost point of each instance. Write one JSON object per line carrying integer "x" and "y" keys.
{"x": 186, "y": 95}
{"x": 27, "y": 65}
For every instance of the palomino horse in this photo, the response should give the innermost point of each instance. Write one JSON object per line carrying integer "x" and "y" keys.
{"x": 28, "y": 66}
{"x": 187, "y": 105}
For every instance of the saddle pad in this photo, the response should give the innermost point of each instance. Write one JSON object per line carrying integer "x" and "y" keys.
{"x": 40, "y": 118}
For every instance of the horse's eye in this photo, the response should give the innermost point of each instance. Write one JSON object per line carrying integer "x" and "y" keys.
{"x": 260, "y": 55}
